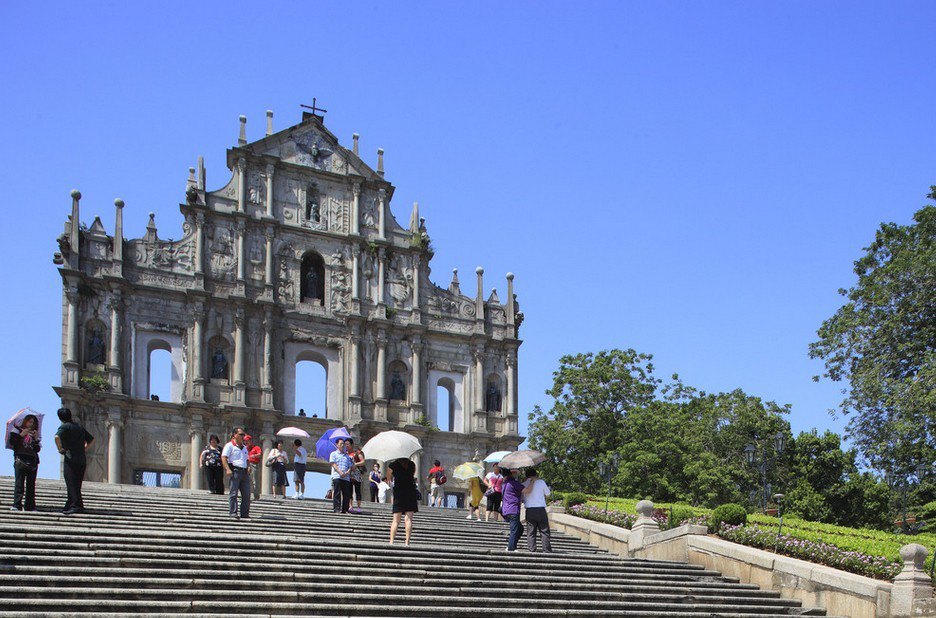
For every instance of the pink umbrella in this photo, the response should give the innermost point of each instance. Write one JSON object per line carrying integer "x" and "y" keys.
{"x": 13, "y": 425}
{"x": 293, "y": 432}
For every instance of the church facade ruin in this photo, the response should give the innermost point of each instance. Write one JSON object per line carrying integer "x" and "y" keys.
{"x": 296, "y": 258}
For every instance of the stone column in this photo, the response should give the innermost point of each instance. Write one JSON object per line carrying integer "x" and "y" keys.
{"x": 355, "y": 282}
{"x": 71, "y": 341}
{"x": 74, "y": 239}
{"x": 266, "y": 474}
{"x": 199, "y": 243}
{"x": 510, "y": 303}
{"x": 479, "y": 299}
{"x": 114, "y": 426}
{"x": 416, "y": 396}
{"x": 268, "y": 359}
{"x": 381, "y": 367}
{"x": 241, "y": 232}
{"x": 416, "y": 263}
{"x": 196, "y": 434}
{"x": 239, "y": 356}
{"x": 268, "y": 273}
{"x": 381, "y": 269}
{"x": 381, "y": 217}
{"x": 479, "y": 379}
{"x": 198, "y": 378}
{"x": 912, "y": 583}
{"x": 118, "y": 238}
{"x": 269, "y": 190}
{"x": 114, "y": 304}
{"x": 511, "y": 386}
{"x": 241, "y": 184}
{"x": 356, "y": 209}
{"x": 355, "y": 388}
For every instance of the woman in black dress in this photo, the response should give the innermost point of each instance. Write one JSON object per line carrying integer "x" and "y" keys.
{"x": 401, "y": 474}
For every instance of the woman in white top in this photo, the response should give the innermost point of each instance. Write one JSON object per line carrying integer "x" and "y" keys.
{"x": 299, "y": 468}
{"x": 277, "y": 460}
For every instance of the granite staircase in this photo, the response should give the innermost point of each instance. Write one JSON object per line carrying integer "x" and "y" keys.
{"x": 169, "y": 552}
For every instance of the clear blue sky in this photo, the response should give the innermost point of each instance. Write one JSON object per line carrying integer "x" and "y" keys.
{"x": 691, "y": 180}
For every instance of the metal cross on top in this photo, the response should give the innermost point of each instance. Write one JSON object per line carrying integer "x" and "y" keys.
{"x": 313, "y": 107}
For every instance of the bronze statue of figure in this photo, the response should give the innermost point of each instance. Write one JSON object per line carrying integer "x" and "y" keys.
{"x": 493, "y": 398}
{"x": 95, "y": 348}
{"x": 397, "y": 387}
{"x": 219, "y": 365}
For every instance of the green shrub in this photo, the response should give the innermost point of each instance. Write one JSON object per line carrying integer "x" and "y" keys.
{"x": 574, "y": 497}
{"x": 679, "y": 513}
{"x": 731, "y": 514}
{"x": 927, "y": 515}
{"x": 557, "y": 496}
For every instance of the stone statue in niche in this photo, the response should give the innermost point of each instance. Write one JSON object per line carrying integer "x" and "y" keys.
{"x": 312, "y": 285}
{"x": 397, "y": 387}
{"x": 493, "y": 398}
{"x": 95, "y": 347}
{"x": 256, "y": 190}
{"x": 313, "y": 209}
{"x": 219, "y": 365}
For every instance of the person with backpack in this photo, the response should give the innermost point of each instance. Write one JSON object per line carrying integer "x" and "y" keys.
{"x": 437, "y": 479}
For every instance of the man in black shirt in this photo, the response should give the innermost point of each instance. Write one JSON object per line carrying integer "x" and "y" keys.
{"x": 72, "y": 441}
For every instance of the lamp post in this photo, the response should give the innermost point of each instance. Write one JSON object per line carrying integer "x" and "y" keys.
{"x": 901, "y": 482}
{"x": 765, "y": 461}
{"x": 778, "y": 498}
{"x": 608, "y": 469}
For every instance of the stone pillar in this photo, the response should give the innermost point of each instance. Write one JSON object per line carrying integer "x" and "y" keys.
{"x": 242, "y": 136}
{"x": 381, "y": 216}
{"x": 479, "y": 300}
{"x": 644, "y": 526}
{"x": 198, "y": 378}
{"x": 269, "y": 114}
{"x": 381, "y": 367}
{"x": 381, "y": 270}
{"x": 511, "y": 363}
{"x": 115, "y": 305}
{"x": 114, "y": 426}
{"x": 267, "y": 359}
{"x": 416, "y": 396}
{"x": 355, "y": 270}
{"x": 199, "y": 243}
{"x": 239, "y": 356}
{"x": 355, "y": 388}
{"x": 196, "y": 434}
{"x": 912, "y": 584}
{"x": 268, "y": 272}
{"x": 269, "y": 190}
{"x": 118, "y": 238}
{"x": 241, "y": 232}
{"x": 71, "y": 341}
{"x": 510, "y": 303}
{"x": 479, "y": 379}
{"x": 74, "y": 239}
{"x": 416, "y": 263}
{"x": 356, "y": 209}
{"x": 266, "y": 474}
{"x": 241, "y": 184}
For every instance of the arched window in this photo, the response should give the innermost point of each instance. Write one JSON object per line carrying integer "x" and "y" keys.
{"x": 397, "y": 381}
{"x": 445, "y": 404}
{"x": 312, "y": 285}
{"x": 311, "y": 388}
{"x": 95, "y": 343}
{"x": 219, "y": 355}
{"x": 160, "y": 372}
{"x": 493, "y": 396}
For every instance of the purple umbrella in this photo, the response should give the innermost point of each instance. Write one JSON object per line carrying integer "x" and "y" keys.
{"x": 325, "y": 445}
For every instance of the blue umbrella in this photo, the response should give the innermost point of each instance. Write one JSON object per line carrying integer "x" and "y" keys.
{"x": 325, "y": 445}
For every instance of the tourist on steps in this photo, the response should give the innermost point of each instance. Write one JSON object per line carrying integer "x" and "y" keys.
{"x": 24, "y": 440}
{"x": 300, "y": 456}
{"x": 340, "y": 477}
{"x": 374, "y": 479}
{"x": 254, "y": 455}
{"x": 276, "y": 461}
{"x": 210, "y": 460}
{"x": 436, "y": 481}
{"x": 494, "y": 493}
{"x": 72, "y": 441}
{"x": 401, "y": 473}
{"x": 383, "y": 490}
{"x": 534, "y": 498}
{"x": 475, "y": 493}
{"x": 510, "y": 506}
{"x": 234, "y": 459}
{"x": 357, "y": 470}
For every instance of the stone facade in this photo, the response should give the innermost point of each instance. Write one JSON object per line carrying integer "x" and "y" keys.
{"x": 296, "y": 258}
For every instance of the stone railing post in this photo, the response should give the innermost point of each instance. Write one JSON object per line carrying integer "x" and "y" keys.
{"x": 644, "y": 526}
{"x": 912, "y": 584}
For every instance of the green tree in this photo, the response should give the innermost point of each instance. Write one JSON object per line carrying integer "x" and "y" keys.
{"x": 882, "y": 342}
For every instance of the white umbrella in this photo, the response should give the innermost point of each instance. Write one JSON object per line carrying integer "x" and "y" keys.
{"x": 17, "y": 419}
{"x": 293, "y": 432}
{"x": 496, "y": 456}
{"x": 522, "y": 459}
{"x": 390, "y": 445}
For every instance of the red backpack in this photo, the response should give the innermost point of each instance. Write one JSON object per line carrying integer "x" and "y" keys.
{"x": 441, "y": 478}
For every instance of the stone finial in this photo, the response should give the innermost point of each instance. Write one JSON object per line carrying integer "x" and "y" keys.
{"x": 119, "y": 203}
{"x": 644, "y": 526}
{"x": 644, "y": 508}
{"x": 912, "y": 583}
{"x": 380, "y": 167}
{"x": 414, "y": 219}
{"x": 454, "y": 286}
{"x": 192, "y": 181}
{"x": 242, "y": 137}
{"x": 269, "y": 113}
{"x": 479, "y": 270}
{"x": 75, "y": 194}
{"x": 354, "y": 141}
{"x": 510, "y": 276}
{"x": 151, "y": 235}
{"x": 201, "y": 173}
